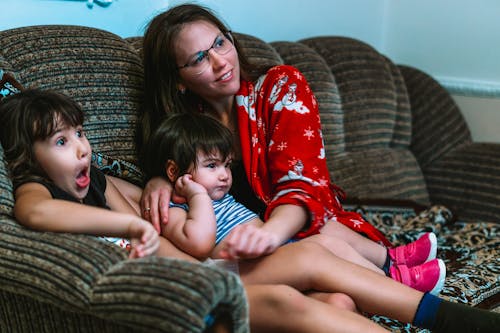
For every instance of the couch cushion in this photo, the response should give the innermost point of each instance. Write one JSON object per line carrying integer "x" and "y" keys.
{"x": 438, "y": 124}
{"x": 98, "y": 69}
{"x": 258, "y": 51}
{"x": 376, "y": 123}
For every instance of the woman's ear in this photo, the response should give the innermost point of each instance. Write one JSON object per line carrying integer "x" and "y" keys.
{"x": 171, "y": 170}
{"x": 181, "y": 88}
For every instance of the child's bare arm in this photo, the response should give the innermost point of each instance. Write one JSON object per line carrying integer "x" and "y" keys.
{"x": 36, "y": 209}
{"x": 192, "y": 231}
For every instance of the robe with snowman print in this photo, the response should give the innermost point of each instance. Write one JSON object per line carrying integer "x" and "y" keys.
{"x": 283, "y": 151}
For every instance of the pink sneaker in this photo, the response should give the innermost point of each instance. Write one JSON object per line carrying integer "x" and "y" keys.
{"x": 422, "y": 250}
{"x": 426, "y": 277}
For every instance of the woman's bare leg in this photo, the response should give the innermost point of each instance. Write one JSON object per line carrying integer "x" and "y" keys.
{"x": 367, "y": 248}
{"x": 280, "y": 308}
{"x": 308, "y": 266}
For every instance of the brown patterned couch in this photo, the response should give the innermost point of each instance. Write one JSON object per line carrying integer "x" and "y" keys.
{"x": 395, "y": 140}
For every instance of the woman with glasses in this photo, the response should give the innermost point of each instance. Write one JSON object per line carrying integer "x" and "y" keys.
{"x": 193, "y": 64}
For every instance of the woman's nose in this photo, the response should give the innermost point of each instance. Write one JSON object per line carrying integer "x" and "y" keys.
{"x": 216, "y": 60}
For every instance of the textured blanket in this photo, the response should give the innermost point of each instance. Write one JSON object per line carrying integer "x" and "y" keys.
{"x": 469, "y": 250}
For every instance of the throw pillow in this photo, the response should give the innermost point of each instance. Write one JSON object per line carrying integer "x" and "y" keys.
{"x": 117, "y": 167}
{"x": 8, "y": 84}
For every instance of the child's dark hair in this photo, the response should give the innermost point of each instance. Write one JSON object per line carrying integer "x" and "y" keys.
{"x": 29, "y": 116}
{"x": 180, "y": 136}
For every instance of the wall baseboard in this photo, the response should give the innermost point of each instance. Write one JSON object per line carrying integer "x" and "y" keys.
{"x": 472, "y": 88}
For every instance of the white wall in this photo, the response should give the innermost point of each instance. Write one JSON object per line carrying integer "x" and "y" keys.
{"x": 456, "y": 41}
{"x": 267, "y": 19}
{"x": 123, "y": 17}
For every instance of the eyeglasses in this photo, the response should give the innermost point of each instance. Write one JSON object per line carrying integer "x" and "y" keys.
{"x": 200, "y": 61}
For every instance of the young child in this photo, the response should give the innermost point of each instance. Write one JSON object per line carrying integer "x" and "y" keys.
{"x": 56, "y": 188}
{"x": 194, "y": 152}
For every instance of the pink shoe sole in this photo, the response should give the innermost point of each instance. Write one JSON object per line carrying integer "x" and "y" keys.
{"x": 442, "y": 277}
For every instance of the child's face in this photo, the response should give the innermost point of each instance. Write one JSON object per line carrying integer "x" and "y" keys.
{"x": 213, "y": 173}
{"x": 65, "y": 158}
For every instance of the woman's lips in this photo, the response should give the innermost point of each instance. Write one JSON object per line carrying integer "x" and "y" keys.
{"x": 226, "y": 76}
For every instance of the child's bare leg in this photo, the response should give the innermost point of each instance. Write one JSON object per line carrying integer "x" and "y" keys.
{"x": 344, "y": 250}
{"x": 367, "y": 248}
{"x": 308, "y": 266}
{"x": 280, "y": 308}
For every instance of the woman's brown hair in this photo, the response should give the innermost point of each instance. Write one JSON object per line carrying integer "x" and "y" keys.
{"x": 161, "y": 74}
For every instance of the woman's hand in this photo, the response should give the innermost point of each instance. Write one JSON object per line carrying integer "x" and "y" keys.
{"x": 143, "y": 238}
{"x": 155, "y": 201}
{"x": 248, "y": 241}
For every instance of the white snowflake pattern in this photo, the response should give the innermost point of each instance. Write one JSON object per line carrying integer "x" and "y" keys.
{"x": 255, "y": 140}
{"x": 260, "y": 123}
{"x": 309, "y": 133}
{"x": 323, "y": 182}
{"x": 282, "y": 146}
{"x": 357, "y": 223}
{"x": 292, "y": 162}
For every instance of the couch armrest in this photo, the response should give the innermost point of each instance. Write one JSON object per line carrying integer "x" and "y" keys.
{"x": 168, "y": 295}
{"x": 84, "y": 275}
{"x": 467, "y": 180}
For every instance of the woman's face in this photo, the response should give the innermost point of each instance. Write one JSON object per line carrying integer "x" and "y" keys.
{"x": 220, "y": 79}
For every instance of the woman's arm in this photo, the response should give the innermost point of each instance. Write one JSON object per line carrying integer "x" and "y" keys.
{"x": 255, "y": 238}
{"x": 286, "y": 221}
{"x": 36, "y": 209}
{"x": 126, "y": 191}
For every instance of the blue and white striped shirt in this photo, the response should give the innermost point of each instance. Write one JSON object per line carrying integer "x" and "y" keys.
{"x": 228, "y": 214}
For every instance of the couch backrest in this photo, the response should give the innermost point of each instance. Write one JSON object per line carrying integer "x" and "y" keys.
{"x": 362, "y": 97}
{"x": 98, "y": 69}
{"x": 366, "y": 116}
{"x": 438, "y": 124}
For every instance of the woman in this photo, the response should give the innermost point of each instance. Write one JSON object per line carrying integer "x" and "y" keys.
{"x": 193, "y": 64}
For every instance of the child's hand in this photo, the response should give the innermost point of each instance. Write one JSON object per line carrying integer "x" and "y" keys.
{"x": 186, "y": 187}
{"x": 248, "y": 241}
{"x": 143, "y": 238}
